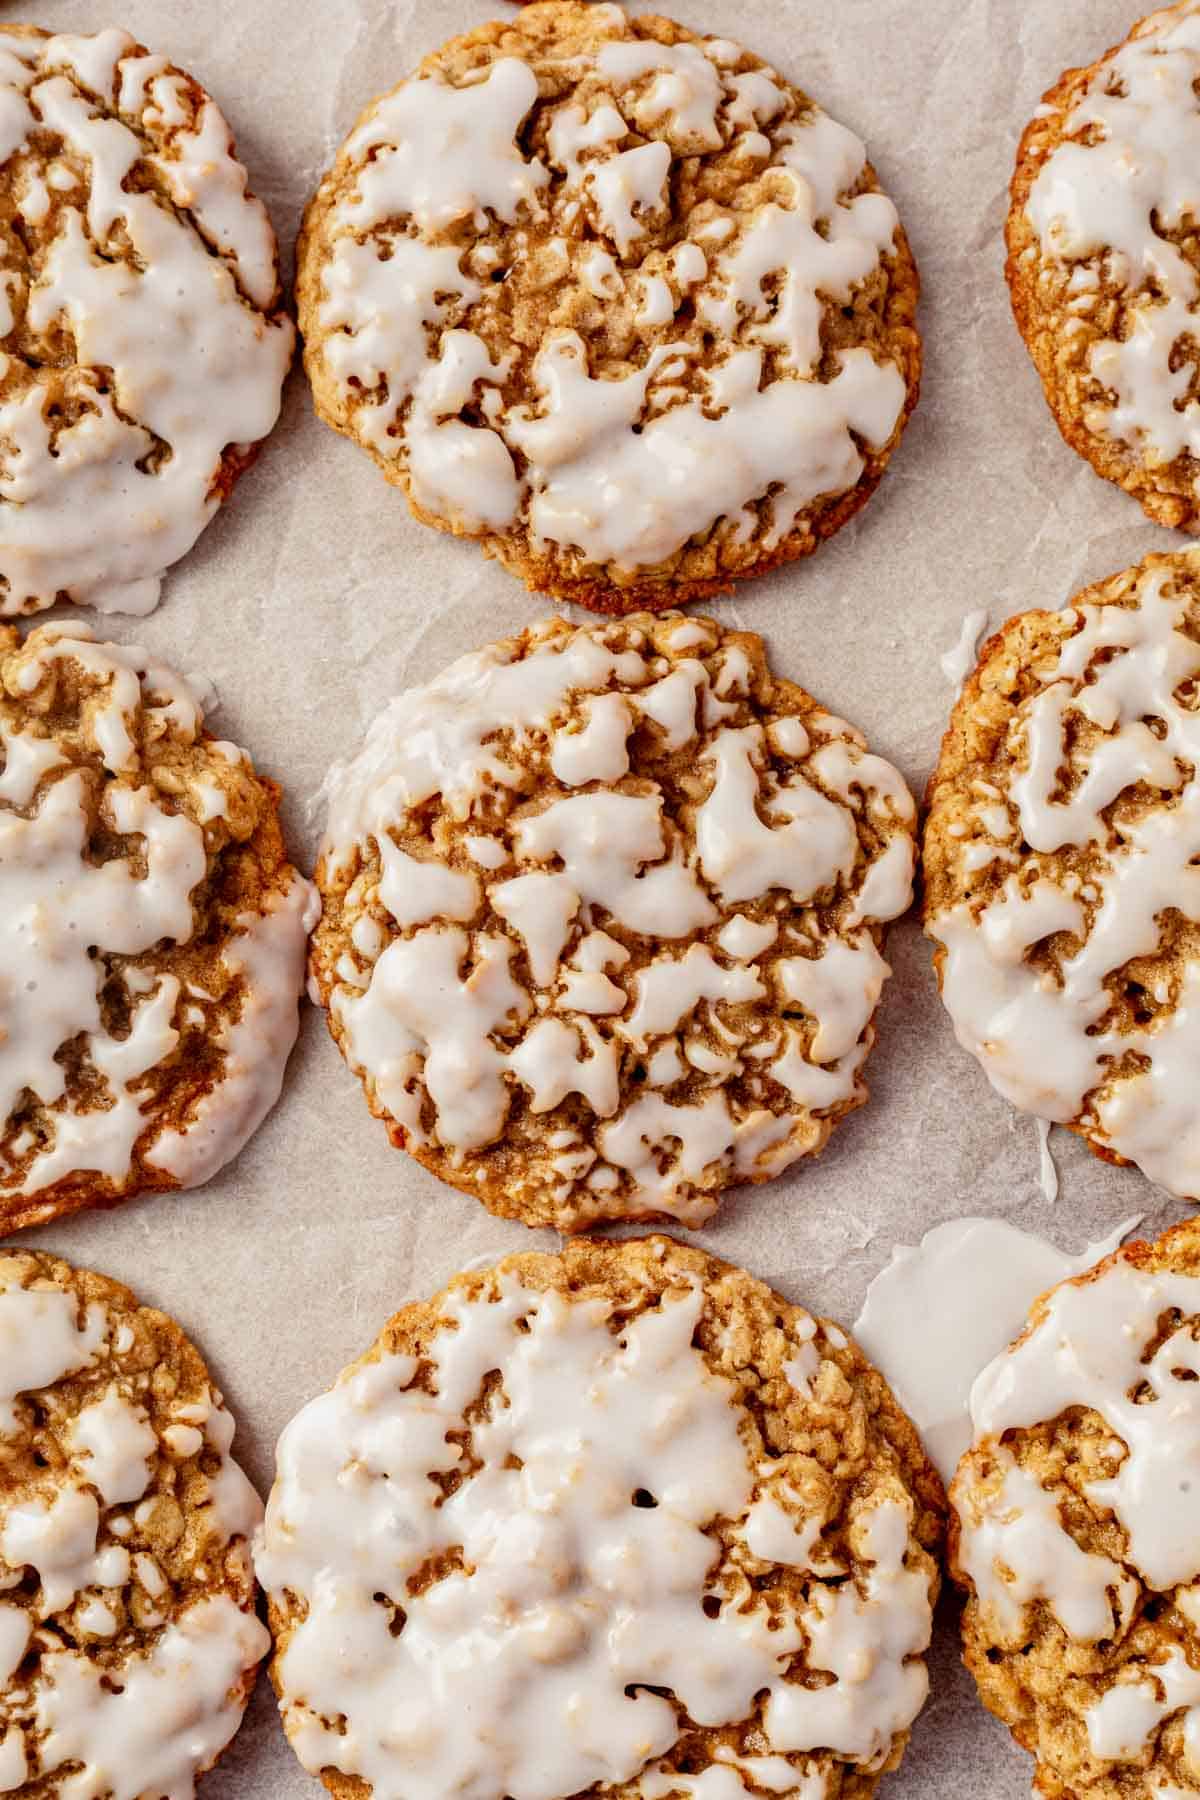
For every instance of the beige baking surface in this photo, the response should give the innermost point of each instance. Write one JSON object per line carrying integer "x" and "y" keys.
{"x": 314, "y": 597}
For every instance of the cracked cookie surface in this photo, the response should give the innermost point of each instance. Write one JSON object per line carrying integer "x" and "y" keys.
{"x": 1104, "y": 261}
{"x": 1072, "y": 1530}
{"x": 1059, "y": 859}
{"x": 602, "y": 915}
{"x": 615, "y": 299}
{"x": 143, "y": 343}
{"x": 128, "y": 1638}
{"x": 152, "y": 931}
{"x": 664, "y": 1534}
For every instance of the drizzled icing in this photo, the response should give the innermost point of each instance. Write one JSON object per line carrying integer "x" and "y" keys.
{"x": 1119, "y": 1344}
{"x": 1030, "y": 975}
{"x": 676, "y": 936}
{"x": 971, "y": 1282}
{"x": 617, "y": 464}
{"x": 65, "y": 912}
{"x": 552, "y": 1593}
{"x": 112, "y": 465}
{"x": 167, "y": 1641}
{"x": 1107, "y": 197}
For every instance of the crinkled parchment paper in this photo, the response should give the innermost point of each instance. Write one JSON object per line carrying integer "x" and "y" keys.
{"x": 314, "y": 597}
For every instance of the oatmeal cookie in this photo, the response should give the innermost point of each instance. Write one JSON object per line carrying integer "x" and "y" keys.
{"x": 1061, "y": 879}
{"x": 128, "y": 1639}
{"x": 152, "y": 931}
{"x": 1104, "y": 261}
{"x": 143, "y": 342}
{"x": 602, "y": 918}
{"x": 1074, "y": 1530}
{"x": 615, "y": 299}
{"x": 652, "y": 1529}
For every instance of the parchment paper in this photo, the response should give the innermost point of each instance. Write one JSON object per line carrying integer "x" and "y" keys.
{"x": 314, "y": 597}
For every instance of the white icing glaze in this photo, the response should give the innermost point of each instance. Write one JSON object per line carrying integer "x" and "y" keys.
{"x": 41, "y": 1339}
{"x": 870, "y": 1638}
{"x": 1016, "y": 1549}
{"x": 957, "y": 662}
{"x": 112, "y": 1440}
{"x": 609, "y": 468}
{"x": 167, "y": 347}
{"x": 571, "y": 1601}
{"x": 1043, "y": 1044}
{"x": 1088, "y": 1352}
{"x": 171, "y": 1717}
{"x": 971, "y": 1282}
{"x": 57, "y": 1539}
{"x": 1121, "y": 1722}
{"x": 440, "y": 1011}
{"x": 16, "y": 1627}
{"x": 1124, "y": 177}
{"x": 14, "y": 1767}
{"x": 57, "y": 904}
{"x": 728, "y": 1780}
{"x": 1047, "y": 1171}
{"x": 268, "y": 953}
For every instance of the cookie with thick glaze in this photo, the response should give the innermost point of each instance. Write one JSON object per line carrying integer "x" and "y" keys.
{"x": 143, "y": 340}
{"x": 654, "y": 1530}
{"x": 152, "y": 931}
{"x": 1104, "y": 261}
{"x": 129, "y": 1643}
{"x": 619, "y": 301}
{"x": 1060, "y": 866}
{"x": 1073, "y": 1529}
{"x": 603, "y": 909}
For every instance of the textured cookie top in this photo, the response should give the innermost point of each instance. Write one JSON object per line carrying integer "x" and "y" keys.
{"x": 601, "y": 918}
{"x": 1105, "y": 261}
{"x": 634, "y": 1517}
{"x": 152, "y": 931}
{"x": 142, "y": 345}
{"x": 1076, "y": 1528}
{"x": 1059, "y": 858}
{"x": 615, "y": 298}
{"x": 128, "y": 1641}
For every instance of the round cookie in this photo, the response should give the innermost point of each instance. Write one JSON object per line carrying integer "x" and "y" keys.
{"x": 152, "y": 931}
{"x": 614, "y": 299}
{"x": 1104, "y": 261}
{"x": 1073, "y": 1530}
{"x": 652, "y": 1529}
{"x": 1060, "y": 883}
{"x": 128, "y": 1639}
{"x": 602, "y": 915}
{"x": 143, "y": 341}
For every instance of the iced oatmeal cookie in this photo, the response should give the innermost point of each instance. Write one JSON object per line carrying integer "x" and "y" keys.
{"x": 152, "y": 931}
{"x": 1074, "y": 1530}
{"x": 603, "y": 909}
{"x": 1061, "y": 879}
{"x": 1104, "y": 261}
{"x": 616, "y": 300}
{"x": 143, "y": 343}
{"x": 652, "y": 1529}
{"x": 128, "y": 1639}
